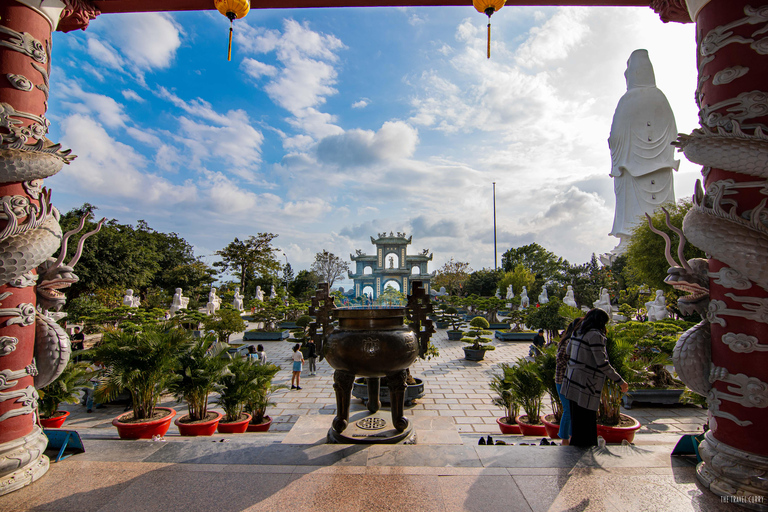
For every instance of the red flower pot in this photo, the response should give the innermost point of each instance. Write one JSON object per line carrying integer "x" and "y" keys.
{"x": 260, "y": 427}
{"x": 145, "y": 429}
{"x": 55, "y": 421}
{"x": 506, "y": 428}
{"x": 530, "y": 430}
{"x": 551, "y": 428}
{"x": 615, "y": 435}
{"x": 234, "y": 427}
{"x": 201, "y": 428}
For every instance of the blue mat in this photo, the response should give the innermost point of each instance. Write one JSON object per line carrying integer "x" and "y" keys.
{"x": 67, "y": 442}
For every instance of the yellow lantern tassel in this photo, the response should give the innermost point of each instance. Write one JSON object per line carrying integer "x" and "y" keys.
{"x": 229, "y": 50}
{"x": 489, "y": 38}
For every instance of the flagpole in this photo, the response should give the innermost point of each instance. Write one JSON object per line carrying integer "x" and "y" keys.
{"x": 495, "y": 265}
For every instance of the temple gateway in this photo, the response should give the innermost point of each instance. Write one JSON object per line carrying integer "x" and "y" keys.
{"x": 390, "y": 265}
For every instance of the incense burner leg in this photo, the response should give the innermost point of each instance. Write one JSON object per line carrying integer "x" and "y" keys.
{"x": 374, "y": 399}
{"x": 397, "y": 385}
{"x": 342, "y": 385}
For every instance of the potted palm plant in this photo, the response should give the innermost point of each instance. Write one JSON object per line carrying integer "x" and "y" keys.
{"x": 237, "y": 385}
{"x": 506, "y": 400}
{"x": 261, "y": 397}
{"x": 198, "y": 373}
{"x": 143, "y": 364}
{"x": 613, "y": 426}
{"x": 476, "y": 351}
{"x": 545, "y": 368}
{"x": 66, "y": 388}
{"x": 529, "y": 390}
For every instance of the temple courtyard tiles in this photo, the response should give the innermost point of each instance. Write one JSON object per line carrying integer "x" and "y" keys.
{"x": 292, "y": 468}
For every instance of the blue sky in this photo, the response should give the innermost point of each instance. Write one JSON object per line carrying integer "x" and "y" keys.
{"x": 332, "y": 125}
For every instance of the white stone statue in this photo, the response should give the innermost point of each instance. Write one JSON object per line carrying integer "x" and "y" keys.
{"x": 498, "y": 293}
{"x": 604, "y": 302}
{"x": 179, "y": 302}
{"x": 569, "y": 299}
{"x": 543, "y": 297}
{"x": 510, "y": 293}
{"x": 259, "y": 294}
{"x": 129, "y": 300}
{"x": 524, "y": 300}
{"x": 642, "y": 159}
{"x": 442, "y": 292}
{"x": 214, "y": 303}
{"x": 237, "y": 303}
{"x": 272, "y": 293}
{"x": 657, "y": 308}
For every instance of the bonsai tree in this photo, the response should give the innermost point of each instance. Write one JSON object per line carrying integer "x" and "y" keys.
{"x": 66, "y": 388}
{"x": 270, "y": 313}
{"x": 453, "y": 317}
{"x": 142, "y": 363}
{"x": 546, "y": 362}
{"x": 505, "y": 399}
{"x": 238, "y": 385}
{"x": 527, "y": 387}
{"x": 479, "y": 326}
{"x": 198, "y": 372}
{"x": 225, "y": 322}
{"x": 260, "y": 395}
{"x": 303, "y": 322}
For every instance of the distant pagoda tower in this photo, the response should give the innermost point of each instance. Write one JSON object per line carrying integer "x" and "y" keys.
{"x": 390, "y": 263}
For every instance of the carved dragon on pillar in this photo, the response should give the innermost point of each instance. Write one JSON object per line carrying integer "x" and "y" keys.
{"x": 671, "y": 10}
{"x": 77, "y": 15}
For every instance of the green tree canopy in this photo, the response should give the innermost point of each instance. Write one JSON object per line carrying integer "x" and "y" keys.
{"x": 328, "y": 267}
{"x": 483, "y": 282}
{"x": 645, "y": 254}
{"x": 546, "y": 266}
{"x": 453, "y": 276}
{"x": 250, "y": 258}
{"x": 122, "y": 256}
{"x": 518, "y": 277}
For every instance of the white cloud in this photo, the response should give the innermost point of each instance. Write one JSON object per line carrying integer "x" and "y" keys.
{"x": 361, "y": 103}
{"x": 105, "y": 108}
{"x": 361, "y": 147}
{"x": 132, "y": 95}
{"x": 147, "y": 40}
{"x": 256, "y": 69}
{"x": 306, "y": 74}
{"x": 107, "y": 167}
{"x": 556, "y": 39}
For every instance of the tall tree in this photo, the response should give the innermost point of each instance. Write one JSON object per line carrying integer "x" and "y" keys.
{"x": 453, "y": 276}
{"x": 484, "y": 282}
{"x": 546, "y": 266}
{"x": 329, "y": 267}
{"x": 304, "y": 285}
{"x": 249, "y": 258}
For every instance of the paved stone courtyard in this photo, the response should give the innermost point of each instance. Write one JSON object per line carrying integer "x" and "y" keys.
{"x": 286, "y": 469}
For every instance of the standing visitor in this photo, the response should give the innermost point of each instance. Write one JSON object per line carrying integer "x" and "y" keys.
{"x": 312, "y": 356}
{"x": 298, "y": 360}
{"x": 588, "y": 366}
{"x": 561, "y": 363}
{"x": 78, "y": 342}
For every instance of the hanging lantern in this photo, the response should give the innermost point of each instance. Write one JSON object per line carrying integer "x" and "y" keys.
{"x": 488, "y": 7}
{"x": 234, "y": 10}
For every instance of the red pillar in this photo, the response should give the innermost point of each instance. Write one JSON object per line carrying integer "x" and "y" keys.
{"x": 29, "y": 231}
{"x": 730, "y": 223}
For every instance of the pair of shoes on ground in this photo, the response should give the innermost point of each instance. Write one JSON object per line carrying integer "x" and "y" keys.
{"x": 295, "y": 387}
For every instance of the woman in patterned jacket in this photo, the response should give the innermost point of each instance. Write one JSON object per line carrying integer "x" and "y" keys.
{"x": 588, "y": 366}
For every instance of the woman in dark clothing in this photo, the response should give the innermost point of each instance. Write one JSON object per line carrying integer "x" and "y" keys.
{"x": 588, "y": 366}
{"x": 561, "y": 363}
